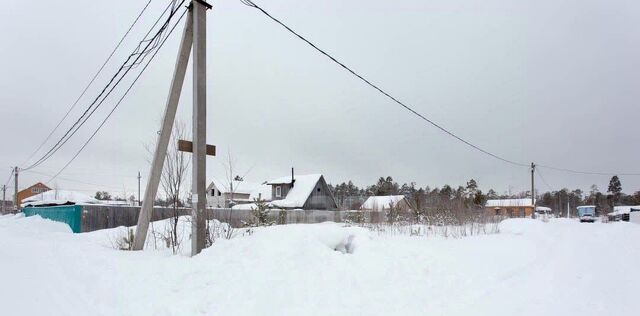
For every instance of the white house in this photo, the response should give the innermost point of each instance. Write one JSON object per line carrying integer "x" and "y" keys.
{"x": 225, "y": 193}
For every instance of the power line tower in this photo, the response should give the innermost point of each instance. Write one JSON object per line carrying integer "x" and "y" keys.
{"x": 194, "y": 36}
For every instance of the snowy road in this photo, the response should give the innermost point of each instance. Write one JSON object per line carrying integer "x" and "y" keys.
{"x": 530, "y": 268}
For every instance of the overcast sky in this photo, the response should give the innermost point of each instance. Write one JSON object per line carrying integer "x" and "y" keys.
{"x": 554, "y": 82}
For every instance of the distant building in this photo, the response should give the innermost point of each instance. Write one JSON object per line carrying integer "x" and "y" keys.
{"x": 31, "y": 191}
{"x": 307, "y": 192}
{"x": 622, "y": 213}
{"x": 385, "y": 203}
{"x": 223, "y": 194}
{"x": 510, "y": 207}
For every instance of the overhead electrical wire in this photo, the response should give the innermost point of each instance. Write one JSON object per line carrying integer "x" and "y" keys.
{"x": 107, "y": 90}
{"x": 410, "y": 109}
{"x": 543, "y": 179}
{"x": 74, "y": 180}
{"x": 10, "y": 176}
{"x": 121, "y": 98}
{"x": 388, "y": 95}
{"x": 84, "y": 91}
{"x": 589, "y": 172}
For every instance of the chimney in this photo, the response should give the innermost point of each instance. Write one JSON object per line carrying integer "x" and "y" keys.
{"x": 293, "y": 179}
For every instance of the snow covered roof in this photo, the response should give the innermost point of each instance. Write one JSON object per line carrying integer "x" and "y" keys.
{"x": 543, "y": 208}
{"x": 508, "y": 202}
{"x": 248, "y": 206}
{"x": 242, "y": 187}
{"x": 379, "y": 203}
{"x": 58, "y": 197}
{"x": 263, "y": 192}
{"x": 299, "y": 193}
{"x": 623, "y": 209}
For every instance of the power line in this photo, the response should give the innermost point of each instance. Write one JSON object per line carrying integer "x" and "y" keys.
{"x": 82, "y": 119}
{"x": 90, "y": 82}
{"x": 10, "y": 176}
{"x": 589, "y": 172}
{"x": 543, "y": 179}
{"x": 408, "y": 108}
{"x": 122, "y": 98}
{"x": 74, "y": 180}
{"x": 394, "y": 99}
{"x": 91, "y": 109}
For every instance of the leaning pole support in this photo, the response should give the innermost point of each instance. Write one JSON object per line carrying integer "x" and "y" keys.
{"x": 194, "y": 36}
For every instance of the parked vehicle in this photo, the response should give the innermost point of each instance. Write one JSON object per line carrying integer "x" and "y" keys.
{"x": 544, "y": 212}
{"x": 587, "y": 213}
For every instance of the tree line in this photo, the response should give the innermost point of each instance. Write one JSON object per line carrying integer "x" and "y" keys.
{"x": 350, "y": 196}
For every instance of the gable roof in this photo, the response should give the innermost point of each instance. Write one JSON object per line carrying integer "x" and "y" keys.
{"x": 509, "y": 202}
{"x": 39, "y": 184}
{"x": 262, "y": 192}
{"x": 242, "y": 187}
{"x": 379, "y": 203}
{"x": 299, "y": 193}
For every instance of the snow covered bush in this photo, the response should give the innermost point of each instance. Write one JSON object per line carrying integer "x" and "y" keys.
{"x": 125, "y": 241}
{"x": 260, "y": 214}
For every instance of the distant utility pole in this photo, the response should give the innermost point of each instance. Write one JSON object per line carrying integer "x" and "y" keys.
{"x": 15, "y": 197}
{"x": 4, "y": 193}
{"x": 533, "y": 189}
{"x": 193, "y": 39}
{"x": 139, "y": 200}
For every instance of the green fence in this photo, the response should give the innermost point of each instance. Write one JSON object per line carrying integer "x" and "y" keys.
{"x": 70, "y": 214}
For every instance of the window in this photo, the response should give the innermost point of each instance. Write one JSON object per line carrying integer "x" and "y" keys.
{"x": 278, "y": 191}
{"x": 219, "y": 193}
{"x": 213, "y": 192}
{"x": 318, "y": 189}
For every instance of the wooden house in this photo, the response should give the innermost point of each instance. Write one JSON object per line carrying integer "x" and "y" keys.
{"x": 31, "y": 191}
{"x": 308, "y": 192}
{"x": 510, "y": 207}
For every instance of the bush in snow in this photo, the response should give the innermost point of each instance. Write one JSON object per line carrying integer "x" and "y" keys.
{"x": 260, "y": 214}
{"x": 124, "y": 241}
{"x": 355, "y": 217}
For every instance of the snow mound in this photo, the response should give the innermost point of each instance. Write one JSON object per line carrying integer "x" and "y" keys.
{"x": 520, "y": 226}
{"x": 32, "y": 225}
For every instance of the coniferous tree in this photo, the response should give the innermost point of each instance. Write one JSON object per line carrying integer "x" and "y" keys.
{"x": 615, "y": 189}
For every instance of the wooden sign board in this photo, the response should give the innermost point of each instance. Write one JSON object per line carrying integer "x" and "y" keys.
{"x": 187, "y": 146}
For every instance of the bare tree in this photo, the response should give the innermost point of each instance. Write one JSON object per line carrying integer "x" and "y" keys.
{"x": 172, "y": 182}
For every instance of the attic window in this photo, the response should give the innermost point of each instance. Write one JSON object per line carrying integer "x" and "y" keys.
{"x": 318, "y": 189}
{"x": 278, "y": 191}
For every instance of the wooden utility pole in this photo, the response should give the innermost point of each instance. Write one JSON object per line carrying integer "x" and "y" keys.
{"x": 139, "y": 198}
{"x": 533, "y": 190}
{"x": 4, "y": 193}
{"x": 15, "y": 189}
{"x": 193, "y": 36}
{"x": 198, "y": 164}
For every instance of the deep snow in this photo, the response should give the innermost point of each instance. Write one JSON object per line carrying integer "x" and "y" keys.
{"x": 530, "y": 268}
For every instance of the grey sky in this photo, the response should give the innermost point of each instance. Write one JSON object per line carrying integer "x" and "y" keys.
{"x": 555, "y": 82}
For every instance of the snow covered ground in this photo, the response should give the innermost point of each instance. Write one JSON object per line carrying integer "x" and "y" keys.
{"x": 530, "y": 268}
